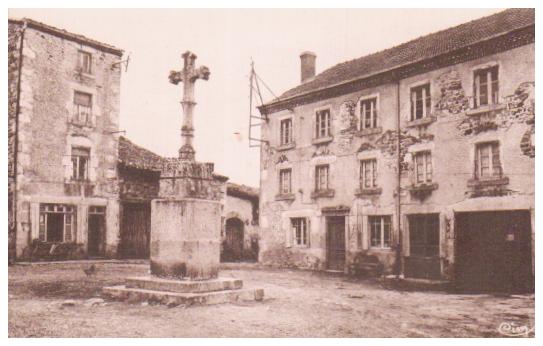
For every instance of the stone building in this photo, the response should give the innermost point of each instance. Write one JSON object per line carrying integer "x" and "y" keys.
{"x": 420, "y": 156}
{"x": 240, "y": 236}
{"x": 139, "y": 173}
{"x": 63, "y": 117}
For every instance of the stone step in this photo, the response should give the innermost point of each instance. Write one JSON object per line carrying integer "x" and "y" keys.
{"x": 183, "y": 286}
{"x": 174, "y": 298}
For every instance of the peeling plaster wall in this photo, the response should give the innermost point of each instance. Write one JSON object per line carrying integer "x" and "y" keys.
{"x": 452, "y": 150}
{"x": 48, "y": 81}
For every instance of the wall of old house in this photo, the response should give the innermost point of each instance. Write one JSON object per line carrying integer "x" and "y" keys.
{"x": 451, "y": 138}
{"x": 14, "y": 44}
{"x": 49, "y": 78}
{"x": 242, "y": 209}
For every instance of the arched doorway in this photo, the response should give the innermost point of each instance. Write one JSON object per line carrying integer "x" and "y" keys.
{"x": 233, "y": 242}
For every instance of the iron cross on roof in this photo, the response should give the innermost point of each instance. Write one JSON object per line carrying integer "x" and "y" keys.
{"x": 188, "y": 76}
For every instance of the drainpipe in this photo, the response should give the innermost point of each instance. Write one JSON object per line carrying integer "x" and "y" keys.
{"x": 399, "y": 245}
{"x": 16, "y": 139}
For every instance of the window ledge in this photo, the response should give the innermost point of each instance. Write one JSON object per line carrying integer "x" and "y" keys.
{"x": 81, "y": 125}
{"x": 323, "y": 193}
{"x": 322, "y": 140}
{"x": 479, "y": 183}
{"x": 287, "y": 146}
{"x": 422, "y": 122}
{"x": 423, "y": 187}
{"x": 369, "y": 131}
{"x": 485, "y": 109}
{"x": 285, "y": 197}
{"x": 88, "y": 75}
{"x": 368, "y": 192}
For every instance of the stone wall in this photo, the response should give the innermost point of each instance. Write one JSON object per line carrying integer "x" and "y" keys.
{"x": 14, "y": 42}
{"x": 46, "y": 133}
{"x": 450, "y": 133}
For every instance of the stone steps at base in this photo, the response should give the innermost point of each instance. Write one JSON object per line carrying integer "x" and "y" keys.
{"x": 183, "y": 286}
{"x": 124, "y": 293}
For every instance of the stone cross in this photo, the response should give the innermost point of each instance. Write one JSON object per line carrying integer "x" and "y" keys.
{"x": 188, "y": 76}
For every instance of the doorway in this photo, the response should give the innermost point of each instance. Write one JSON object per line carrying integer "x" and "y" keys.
{"x": 335, "y": 242}
{"x": 233, "y": 243}
{"x": 423, "y": 261}
{"x": 96, "y": 231}
{"x": 494, "y": 251}
{"x": 135, "y": 230}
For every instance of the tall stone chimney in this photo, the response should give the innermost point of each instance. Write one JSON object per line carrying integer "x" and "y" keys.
{"x": 307, "y": 65}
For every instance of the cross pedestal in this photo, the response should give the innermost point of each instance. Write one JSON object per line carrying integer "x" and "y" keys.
{"x": 186, "y": 225}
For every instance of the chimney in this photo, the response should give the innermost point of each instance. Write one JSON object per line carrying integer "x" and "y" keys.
{"x": 307, "y": 65}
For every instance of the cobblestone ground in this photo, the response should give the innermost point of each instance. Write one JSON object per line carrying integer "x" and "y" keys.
{"x": 297, "y": 304}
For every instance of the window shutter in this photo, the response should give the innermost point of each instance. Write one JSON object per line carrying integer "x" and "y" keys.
{"x": 476, "y": 163}
{"x": 41, "y": 234}
{"x": 413, "y": 102}
{"x": 288, "y": 235}
{"x": 308, "y": 232}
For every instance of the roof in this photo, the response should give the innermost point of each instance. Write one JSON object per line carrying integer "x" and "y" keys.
{"x": 417, "y": 50}
{"x": 67, "y": 35}
{"x": 242, "y": 191}
{"x": 132, "y": 155}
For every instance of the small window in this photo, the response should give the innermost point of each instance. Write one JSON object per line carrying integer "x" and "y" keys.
{"x": 300, "y": 231}
{"x": 421, "y": 102}
{"x": 322, "y": 128}
{"x": 80, "y": 163}
{"x": 423, "y": 167}
{"x": 379, "y": 231}
{"x": 57, "y": 223}
{"x": 85, "y": 62}
{"x": 368, "y": 113}
{"x": 285, "y": 181}
{"x": 368, "y": 174}
{"x": 82, "y": 108}
{"x": 321, "y": 178}
{"x": 286, "y": 131}
{"x": 485, "y": 86}
{"x": 487, "y": 161}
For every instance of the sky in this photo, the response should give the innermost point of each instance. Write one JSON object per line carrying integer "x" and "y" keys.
{"x": 226, "y": 41}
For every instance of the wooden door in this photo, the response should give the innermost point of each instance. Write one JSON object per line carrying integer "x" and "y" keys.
{"x": 135, "y": 230}
{"x": 233, "y": 244}
{"x": 335, "y": 242}
{"x": 493, "y": 251}
{"x": 423, "y": 261}
{"x": 96, "y": 234}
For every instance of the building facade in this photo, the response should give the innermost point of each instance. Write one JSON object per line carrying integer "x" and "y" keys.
{"x": 240, "y": 232}
{"x": 420, "y": 156}
{"x": 63, "y": 117}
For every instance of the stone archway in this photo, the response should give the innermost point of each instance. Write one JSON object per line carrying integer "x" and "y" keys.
{"x": 233, "y": 243}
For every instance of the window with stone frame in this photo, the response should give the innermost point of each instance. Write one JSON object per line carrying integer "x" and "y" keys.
{"x": 300, "y": 231}
{"x": 380, "y": 229}
{"x": 57, "y": 223}
{"x": 286, "y": 131}
{"x": 421, "y": 101}
{"x": 487, "y": 161}
{"x": 322, "y": 123}
{"x": 285, "y": 181}
{"x": 82, "y": 108}
{"x": 85, "y": 62}
{"x": 322, "y": 178}
{"x": 368, "y": 174}
{"x": 423, "y": 167}
{"x": 485, "y": 86}
{"x": 368, "y": 113}
{"x": 80, "y": 163}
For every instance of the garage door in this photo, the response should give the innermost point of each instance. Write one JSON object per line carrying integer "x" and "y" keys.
{"x": 493, "y": 251}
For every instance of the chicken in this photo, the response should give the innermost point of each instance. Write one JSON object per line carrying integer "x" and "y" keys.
{"x": 90, "y": 270}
